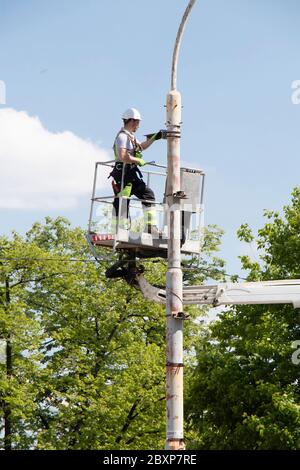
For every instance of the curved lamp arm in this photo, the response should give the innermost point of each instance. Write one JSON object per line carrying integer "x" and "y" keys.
{"x": 177, "y": 43}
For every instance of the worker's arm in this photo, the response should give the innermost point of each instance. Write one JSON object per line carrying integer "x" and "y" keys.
{"x": 150, "y": 139}
{"x": 147, "y": 143}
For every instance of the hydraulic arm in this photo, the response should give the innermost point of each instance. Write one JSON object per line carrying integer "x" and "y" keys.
{"x": 264, "y": 292}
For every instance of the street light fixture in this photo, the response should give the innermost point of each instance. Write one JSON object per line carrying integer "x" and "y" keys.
{"x": 174, "y": 290}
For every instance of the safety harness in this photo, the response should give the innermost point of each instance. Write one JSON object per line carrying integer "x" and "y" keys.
{"x": 136, "y": 145}
{"x": 131, "y": 169}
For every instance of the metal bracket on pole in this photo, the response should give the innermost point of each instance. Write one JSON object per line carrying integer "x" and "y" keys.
{"x": 170, "y": 133}
{"x": 178, "y": 195}
{"x": 181, "y": 315}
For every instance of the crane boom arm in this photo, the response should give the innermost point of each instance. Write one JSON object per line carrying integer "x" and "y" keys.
{"x": 264, "y": 292}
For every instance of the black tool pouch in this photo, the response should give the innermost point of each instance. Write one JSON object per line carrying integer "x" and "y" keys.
{"x": 116, "y": 173}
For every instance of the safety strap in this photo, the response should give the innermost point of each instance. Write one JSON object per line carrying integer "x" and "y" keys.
{"x": 136, "y": 145}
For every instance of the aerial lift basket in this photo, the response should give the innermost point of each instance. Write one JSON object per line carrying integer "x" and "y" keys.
{"x": 132, "y": 238}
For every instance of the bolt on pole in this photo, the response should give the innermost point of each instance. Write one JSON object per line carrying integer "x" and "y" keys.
{"x": 174, "y": 306}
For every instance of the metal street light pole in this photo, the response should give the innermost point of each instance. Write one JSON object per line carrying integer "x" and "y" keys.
{"x": 174, "y": 367}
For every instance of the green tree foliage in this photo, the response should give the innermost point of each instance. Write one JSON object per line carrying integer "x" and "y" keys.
{"x": 84, "y": 359}
{"x": 20, "y": 335}
{"x": 244, "y": 392}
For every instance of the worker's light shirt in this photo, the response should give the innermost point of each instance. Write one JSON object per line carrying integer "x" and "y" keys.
{"x": 123, "y": 142}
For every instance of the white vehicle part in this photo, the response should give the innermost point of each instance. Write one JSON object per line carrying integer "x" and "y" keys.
{"x": 247, "y": 293}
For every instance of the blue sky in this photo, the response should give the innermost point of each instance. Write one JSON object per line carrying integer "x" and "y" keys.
{"x": 71, "y": 67}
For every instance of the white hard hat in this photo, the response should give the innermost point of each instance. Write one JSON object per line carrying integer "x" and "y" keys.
{"x": 131, "y": 113}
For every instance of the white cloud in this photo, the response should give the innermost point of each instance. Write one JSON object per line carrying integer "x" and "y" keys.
{"x": 41, "y": 169}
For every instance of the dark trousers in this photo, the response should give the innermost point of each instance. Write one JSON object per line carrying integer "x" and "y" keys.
{"x": 141, "y": 191}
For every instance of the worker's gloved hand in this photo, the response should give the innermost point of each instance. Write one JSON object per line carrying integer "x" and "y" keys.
{"x": 155, "y": 136}
{"x": 158, "y": 135}
{"x": 141, "y": 162}
{"x": 138, "y": 154}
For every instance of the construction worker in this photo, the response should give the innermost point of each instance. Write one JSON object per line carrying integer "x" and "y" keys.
{"x": 128, "y": 152}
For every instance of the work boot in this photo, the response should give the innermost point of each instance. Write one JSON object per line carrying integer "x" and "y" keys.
{"x": 155, "y": 232}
